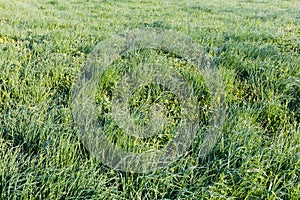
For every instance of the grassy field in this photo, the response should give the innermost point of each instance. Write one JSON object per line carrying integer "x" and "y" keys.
{"x": 255, "y": 44}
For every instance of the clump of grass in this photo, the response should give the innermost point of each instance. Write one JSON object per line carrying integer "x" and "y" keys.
{"x": 144, "y": 97}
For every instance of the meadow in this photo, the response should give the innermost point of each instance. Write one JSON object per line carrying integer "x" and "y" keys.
{"x": 255, "y": 45}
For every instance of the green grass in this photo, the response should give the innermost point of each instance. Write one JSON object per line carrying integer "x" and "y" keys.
{"x": 256, "y": 46}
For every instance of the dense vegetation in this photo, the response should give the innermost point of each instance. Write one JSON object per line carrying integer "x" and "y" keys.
{"x": 255, "y": 44}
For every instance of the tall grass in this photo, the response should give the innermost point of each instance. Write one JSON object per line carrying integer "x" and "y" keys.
{"x": 254, "y": 44}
